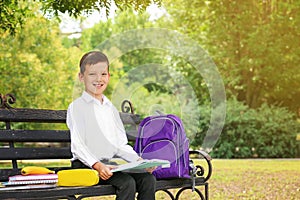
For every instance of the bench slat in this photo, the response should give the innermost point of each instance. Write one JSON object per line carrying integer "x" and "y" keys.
{"x": 34, "y": 135}
{"x": 51, "y": 116}
{"x": 35, "y": 153}
{"x": 33, "y": 115}
{"x": 45, "y": 135}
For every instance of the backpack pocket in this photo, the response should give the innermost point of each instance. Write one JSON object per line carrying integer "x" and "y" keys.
{"x": 166, "y": 150}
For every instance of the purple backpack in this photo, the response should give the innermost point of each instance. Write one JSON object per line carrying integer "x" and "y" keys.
{"x": 163, "y": 137}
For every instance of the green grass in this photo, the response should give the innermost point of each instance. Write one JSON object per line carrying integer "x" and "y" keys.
{"x": 253, "y": 179}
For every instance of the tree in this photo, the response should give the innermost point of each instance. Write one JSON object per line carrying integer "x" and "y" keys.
{"x": 14, "y": 12}
{"x": 35, "y": 66}
{"x": 12, "y": 15}
{"x": 254, "y": 44}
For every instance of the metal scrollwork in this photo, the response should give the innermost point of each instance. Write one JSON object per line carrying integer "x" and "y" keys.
{"x": 188, "y": 188}
{"x": 127, "y": 108}
{"x": 6, "y": 100}
{"x": 180, "y": 191}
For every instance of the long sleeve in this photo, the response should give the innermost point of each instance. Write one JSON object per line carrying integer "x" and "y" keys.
{"x": 79, "y": 149}
{"x": 125, "y": 151}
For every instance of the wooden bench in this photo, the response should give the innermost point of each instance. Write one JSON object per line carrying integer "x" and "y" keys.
{"x": 18, "y": 144}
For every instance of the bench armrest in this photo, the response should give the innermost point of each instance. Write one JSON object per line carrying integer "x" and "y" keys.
{"x": 206, "y": 156}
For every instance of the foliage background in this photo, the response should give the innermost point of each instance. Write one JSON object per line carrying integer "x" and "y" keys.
{"x": 253, "y": 43}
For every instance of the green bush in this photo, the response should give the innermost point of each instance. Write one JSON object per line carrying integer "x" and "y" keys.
{"x": 266, "y": 132}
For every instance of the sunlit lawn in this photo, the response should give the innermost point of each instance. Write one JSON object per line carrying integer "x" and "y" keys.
{"x": 256, "y": 179}
{"x": 252, "y": 179}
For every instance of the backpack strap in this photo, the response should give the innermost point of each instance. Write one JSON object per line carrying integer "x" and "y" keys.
{"x": 193, "y": 172}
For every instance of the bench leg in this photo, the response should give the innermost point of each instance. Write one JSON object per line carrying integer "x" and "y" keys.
{"x": 206, "y": 192}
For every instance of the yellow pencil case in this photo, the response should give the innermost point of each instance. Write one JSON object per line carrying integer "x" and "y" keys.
{"x": 77, "y": 177}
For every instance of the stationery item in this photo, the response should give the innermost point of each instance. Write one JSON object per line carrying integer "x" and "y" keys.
{"x": 23, "y": 187}
{"x": 33, "y": 177}
{"x": 29, "y": 182}
{"x": 77, "y": 177}
{"x": 140, "y": 165}
{"x": 35, "y": 170}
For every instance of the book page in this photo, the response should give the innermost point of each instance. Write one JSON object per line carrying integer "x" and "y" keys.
{"x": 140, "y": 165}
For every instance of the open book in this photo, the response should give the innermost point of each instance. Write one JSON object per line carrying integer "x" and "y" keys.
{"x": 140, "y": 165}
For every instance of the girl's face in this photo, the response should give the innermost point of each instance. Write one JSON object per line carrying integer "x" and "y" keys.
{"x": 95, "y": 79}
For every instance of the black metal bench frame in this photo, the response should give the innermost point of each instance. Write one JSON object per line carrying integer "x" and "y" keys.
{"x": 9, "y": 152}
